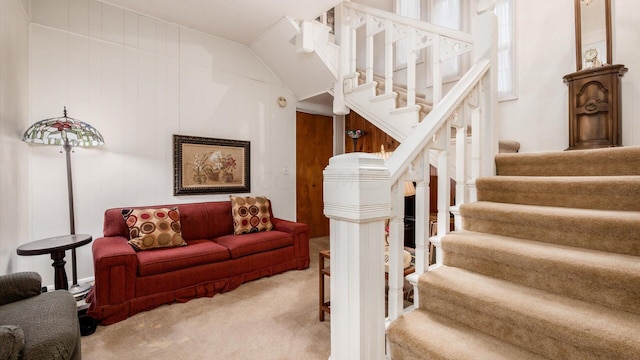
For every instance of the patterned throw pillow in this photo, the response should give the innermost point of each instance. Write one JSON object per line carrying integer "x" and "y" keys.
{"x": 153, "y": 228}
{"x": 250, "y": 214}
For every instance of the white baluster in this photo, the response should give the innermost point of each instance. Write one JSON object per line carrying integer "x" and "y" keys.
{"x": 411, "y": 69}
{"x": 343, "y": 38}
{"x": 396, "y": 247}
{"x": 444, "y": 192}
{"x": 436, "y": 66}
{"x": 422, "y": 225}
{"x": 369, "y": 49}
{"x": 388, "y": 57}
{"x": 461, "y": 173}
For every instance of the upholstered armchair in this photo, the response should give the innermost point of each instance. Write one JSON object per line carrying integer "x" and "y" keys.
{"x": 35, "y": 325}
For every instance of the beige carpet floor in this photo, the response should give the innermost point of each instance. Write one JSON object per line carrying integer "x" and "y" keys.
{"x": 270, "y": 318}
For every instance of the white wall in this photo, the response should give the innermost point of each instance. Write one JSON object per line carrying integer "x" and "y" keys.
{"x": 139, "y": 80}
{"x": 626, "y": 37}
{"x": 14, "y": 118}
{"x": 538, "y": 119}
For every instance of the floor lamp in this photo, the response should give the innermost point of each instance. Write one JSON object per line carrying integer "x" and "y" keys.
{"x": 66, "y": 132}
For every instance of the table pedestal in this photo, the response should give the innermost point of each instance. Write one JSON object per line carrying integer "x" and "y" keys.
{"x": 60, "y": 274}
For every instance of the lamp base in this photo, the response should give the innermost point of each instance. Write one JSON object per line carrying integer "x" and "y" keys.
{"x": 80, "y": 291}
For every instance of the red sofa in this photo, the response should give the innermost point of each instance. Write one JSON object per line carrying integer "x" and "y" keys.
{"x": 214, "y": 260}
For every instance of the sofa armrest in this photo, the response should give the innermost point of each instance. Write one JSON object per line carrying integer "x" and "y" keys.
{"x": 18, "y": 286}
{"x": 115, "y": 267}
{"x": 11, "y": 342}
{"x": 300, "y": 233}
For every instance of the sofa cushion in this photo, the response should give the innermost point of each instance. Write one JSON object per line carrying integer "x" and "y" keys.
{"x": 153, "y": 228}
{"x": 198, "y": 252}
{"x": 247, "y": 244}
{"x": 206, "y": 220}
{"x": 250, "y": 214}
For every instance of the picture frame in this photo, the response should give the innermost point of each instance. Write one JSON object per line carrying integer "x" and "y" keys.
{"x": 210, "y": 166}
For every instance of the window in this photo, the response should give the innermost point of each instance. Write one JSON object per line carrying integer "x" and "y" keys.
{"x": 504, "y": 10}
{"x": 411, "y": 9}
{"x": 454, "y": 14}
{"x": 448, "y": 13}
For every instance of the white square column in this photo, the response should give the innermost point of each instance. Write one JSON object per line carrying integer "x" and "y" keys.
{"x": 357, "y": 202}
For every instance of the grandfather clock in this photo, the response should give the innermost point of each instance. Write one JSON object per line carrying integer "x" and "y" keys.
{"x": 594, "y": 107}
{"x": 594, "y": 89}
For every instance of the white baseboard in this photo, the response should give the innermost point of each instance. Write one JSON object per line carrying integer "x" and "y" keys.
{"x": 88, "y": 280}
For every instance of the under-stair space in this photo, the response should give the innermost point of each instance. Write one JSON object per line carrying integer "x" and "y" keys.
{"x": 546, "y": 266}
{"x": 302, "y": 54}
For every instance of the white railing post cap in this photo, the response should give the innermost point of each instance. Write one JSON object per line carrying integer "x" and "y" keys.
{"x": 356, "y": 188}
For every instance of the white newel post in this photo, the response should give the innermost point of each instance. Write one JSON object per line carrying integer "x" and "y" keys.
{"x": 485, "y": 32}
{"x": 357, "y": 202}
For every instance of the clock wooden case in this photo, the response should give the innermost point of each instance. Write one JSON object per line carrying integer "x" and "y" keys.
{"x": 594, "y": 91}
{"x": 594, "y": 107}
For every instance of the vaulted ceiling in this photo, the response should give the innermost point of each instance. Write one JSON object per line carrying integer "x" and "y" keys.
{"x": 241, "y": 21}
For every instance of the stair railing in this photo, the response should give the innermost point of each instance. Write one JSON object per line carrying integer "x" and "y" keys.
{"x": 444, "y": 43}
{"x": 362, "y": 191}
{"x": 463, "y": 108}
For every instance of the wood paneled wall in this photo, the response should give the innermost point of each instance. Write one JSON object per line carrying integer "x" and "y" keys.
{"x": 372, "y": 139}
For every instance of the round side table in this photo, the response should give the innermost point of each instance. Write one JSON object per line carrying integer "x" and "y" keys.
{"x": 56, "y": 246}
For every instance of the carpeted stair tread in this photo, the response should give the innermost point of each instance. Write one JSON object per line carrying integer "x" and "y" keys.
{"x": 593, "y": 162}
{"x": 585, "y": 192}
{"x": 423, "y": 335}
{"x": 560, "y": 269}
{"x": 548, "y": 261}
{"x": 548, "y": 324}
{"x": 606, "y": 230}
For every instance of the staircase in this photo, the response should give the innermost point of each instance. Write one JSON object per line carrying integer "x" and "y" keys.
{"x": 547, "y": 265}
{"x": 545, "y": 259}
{"x": 453, "y": 130}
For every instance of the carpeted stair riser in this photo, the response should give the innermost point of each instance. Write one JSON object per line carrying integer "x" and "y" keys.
{"x": 597, "y": 162}
{"x": 592, "y": 192}
{"x": 614, "y": 231}
{"x": 559, "y": 269}
{"x": 428, "y": 336}
{"x": 547, "y": 324}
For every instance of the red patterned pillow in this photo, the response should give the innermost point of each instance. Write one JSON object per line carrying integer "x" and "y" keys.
{"x": 153, "y": 228}
{"x": 250, "y": 214}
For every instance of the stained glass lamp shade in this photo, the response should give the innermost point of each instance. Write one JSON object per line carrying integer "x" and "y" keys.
{"x": 66, "y": 132}
{"x": 63, "y": 131}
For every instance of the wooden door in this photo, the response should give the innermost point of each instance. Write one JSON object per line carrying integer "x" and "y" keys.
{"x": 314, "y": 147}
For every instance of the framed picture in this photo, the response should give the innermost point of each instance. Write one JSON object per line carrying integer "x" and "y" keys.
{"x": 210, "y": 166}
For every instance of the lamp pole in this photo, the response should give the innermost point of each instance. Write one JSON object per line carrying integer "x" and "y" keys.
{"x": 72, "y": 225}
{"x": 67, "y": 132}
{"x": 72, "y": 217}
